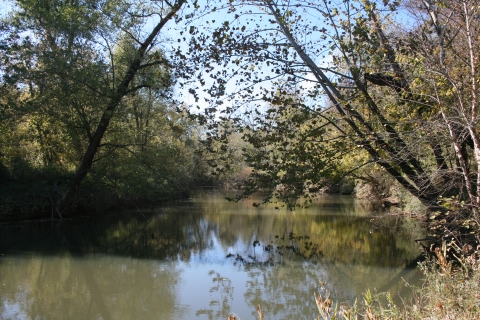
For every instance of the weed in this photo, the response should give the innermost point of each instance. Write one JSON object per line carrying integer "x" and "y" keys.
{"x": 447, "y": 293}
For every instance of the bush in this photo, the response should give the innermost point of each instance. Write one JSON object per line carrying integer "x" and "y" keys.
{"x": 28, "y": 192}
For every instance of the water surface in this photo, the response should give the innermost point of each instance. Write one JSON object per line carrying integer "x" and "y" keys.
{"x": 203, "y": 259}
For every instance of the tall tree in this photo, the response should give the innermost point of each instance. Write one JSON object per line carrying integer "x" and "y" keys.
{"x": 137, "y": 62}
{"x": 359, "y": 44}
{"x": 449, "y": 51}
{"x": 86, "y": 56}
{"x": 389, "y": 84}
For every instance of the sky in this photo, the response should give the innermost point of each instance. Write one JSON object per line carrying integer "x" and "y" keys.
{"x": 219, "y": 16}
{"x": 5, "y": 7}
{"x": 203, "y": 22}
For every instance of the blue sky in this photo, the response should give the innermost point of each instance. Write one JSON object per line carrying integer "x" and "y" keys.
{"x": 203, "y": 23}
{"x": 5, "y": 7}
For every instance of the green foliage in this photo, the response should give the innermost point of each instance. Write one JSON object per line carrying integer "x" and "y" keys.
{"x": 329, "y": 90}
{"x": 28, "y": 192}
{"x": 294, "y": 150}
{"x": 71, "y": 68}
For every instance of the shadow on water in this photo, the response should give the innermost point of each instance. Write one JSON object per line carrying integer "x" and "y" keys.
{"x": 329, "y": 232}
{"x": 280, "y": 258}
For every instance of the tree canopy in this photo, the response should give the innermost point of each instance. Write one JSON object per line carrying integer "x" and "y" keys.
{"x": 87, "y": 88}
{"x": 322, "y": 89}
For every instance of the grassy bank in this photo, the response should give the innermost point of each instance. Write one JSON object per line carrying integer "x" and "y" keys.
{"x": 448, "y": 292}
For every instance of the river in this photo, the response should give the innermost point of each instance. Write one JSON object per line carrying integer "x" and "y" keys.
{"x": 205, "y": 258}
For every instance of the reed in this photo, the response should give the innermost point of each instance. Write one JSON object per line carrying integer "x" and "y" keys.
{"x": 446, "y": 293}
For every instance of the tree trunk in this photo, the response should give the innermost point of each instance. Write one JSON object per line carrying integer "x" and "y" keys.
{"x": 65, "y": 202}
{"x": 399, "y": 165}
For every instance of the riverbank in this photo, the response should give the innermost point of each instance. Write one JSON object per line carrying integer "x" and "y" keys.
{"x": 38, "y": 206}
{"x": 35, "y": 194}
{"x": 447, "y": 292}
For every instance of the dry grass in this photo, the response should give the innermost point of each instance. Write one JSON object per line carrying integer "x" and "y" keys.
{"x": 446, "y": 294}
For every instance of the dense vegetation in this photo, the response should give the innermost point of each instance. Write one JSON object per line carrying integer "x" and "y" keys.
{"x": 384, "y": 92}
{"x": 87, "y": 118}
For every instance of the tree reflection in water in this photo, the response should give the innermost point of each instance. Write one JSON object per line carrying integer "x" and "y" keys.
{"x": 203, "y": 258}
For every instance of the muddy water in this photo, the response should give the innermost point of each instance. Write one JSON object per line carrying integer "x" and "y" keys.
{"x": 203, "y": 259}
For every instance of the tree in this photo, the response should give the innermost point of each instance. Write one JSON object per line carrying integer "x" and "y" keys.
{"x": 449, "y": 54}
{"x": 347, "y": 91}
{"x": 395, "y": 92}
{"x": 136, "y": 63}
{"x": 77, "y": 61}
